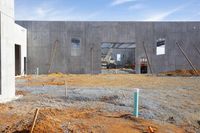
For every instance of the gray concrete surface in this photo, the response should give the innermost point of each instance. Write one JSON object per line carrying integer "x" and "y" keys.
{"x": 150, "y": 32}
{"x": 42, "y": 36}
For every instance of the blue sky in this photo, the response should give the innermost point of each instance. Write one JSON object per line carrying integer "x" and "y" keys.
{"x": 108, "y": 10}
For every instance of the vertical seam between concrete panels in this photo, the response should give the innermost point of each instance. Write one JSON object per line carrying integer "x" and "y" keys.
{"x": 0, "y": 55}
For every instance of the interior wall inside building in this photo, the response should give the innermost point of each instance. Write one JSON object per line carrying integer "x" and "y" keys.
{"x": 122, "y": 57}
{"x": 20, "y": 39}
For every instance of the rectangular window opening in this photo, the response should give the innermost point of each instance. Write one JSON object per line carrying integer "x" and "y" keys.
{"x": 160, "y": 48}
{"x": 118, "y": 57}
{"x": 75, "y": 47}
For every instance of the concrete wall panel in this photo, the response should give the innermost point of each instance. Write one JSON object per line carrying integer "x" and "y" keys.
{"x": 20, "y": 38}
{"x": 92, "y": 34}
{"x": 7, "y": 57}
{"x": 11, "y": 34}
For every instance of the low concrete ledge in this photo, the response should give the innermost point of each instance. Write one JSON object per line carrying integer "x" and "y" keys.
{"x": 5, "y": 100}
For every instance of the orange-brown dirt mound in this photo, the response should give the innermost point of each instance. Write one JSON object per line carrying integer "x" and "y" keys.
{"x": 182, "y": 73}
{"x": 19, "y": 92}
{"x": 89, "y": 120}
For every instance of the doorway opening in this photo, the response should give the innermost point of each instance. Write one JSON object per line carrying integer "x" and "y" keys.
{"x": 25, "y": 65}
{"x": 143, "y": 65}
{"x": 118, "y": 57}
{"x": 17, "y": 60}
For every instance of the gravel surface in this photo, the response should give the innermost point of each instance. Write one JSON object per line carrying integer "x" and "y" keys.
{"x": 179, "y": 106}
{"x": 163, "y": 99}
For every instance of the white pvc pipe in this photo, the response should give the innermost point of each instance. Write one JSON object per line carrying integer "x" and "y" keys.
{"x": 37, "y": 70}
{"x": 136, "y": 102}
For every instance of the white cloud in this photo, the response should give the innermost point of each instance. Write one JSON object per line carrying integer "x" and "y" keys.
{"x": 119, "y": 2}
{"x": 42, "y": 12}
{"x": 45, "y": 11}
{"x": 136, "y": 7}
{"x": 50, "y": 13}
{"x": 163, "y": 15}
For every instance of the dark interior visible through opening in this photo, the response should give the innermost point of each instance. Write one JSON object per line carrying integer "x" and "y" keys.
{"x": 25, "y": 65}
{"x": 17, "y": 60}
{"x": 143, "y": 66}
{"x": 144, "y": 69}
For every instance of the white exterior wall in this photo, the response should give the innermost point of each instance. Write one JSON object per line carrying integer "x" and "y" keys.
{"x": 7, "y": 8}
{"x": 7, "y": 49}
{"x": 10, "y": 33}
{"x": 20, "y": 38}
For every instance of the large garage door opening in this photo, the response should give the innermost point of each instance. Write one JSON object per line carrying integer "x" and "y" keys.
{"x": 17, "y": 60}
{"x": 118, "y": 57}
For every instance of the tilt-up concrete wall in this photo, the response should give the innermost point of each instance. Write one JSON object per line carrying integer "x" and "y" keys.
{"x": 7, "y": 49}
{"x": 42, "y": 36}
{"x": 10, "y": 34}
{"x": 50, "y": 46}
{"x": 172, "y": 32}
{"x": 20, "y": 38}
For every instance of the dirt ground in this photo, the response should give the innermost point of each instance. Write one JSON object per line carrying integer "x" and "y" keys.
{"x": 52, "y": 120}
{"x": 110, "y": 80}
{"x": 182, "y": 73}
{"x": 103, "y": 103}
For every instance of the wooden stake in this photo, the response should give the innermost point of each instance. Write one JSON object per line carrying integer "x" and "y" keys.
{"x": 92, "y": 60}
{"x": 53, "y": 54}
{"x": 151, "y": 130}
{"x": 197, "y": 49}
{"x": 34, "y": 120}
{"x": 183, "y": 52}
{"x": 147, "y": 58}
